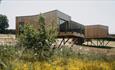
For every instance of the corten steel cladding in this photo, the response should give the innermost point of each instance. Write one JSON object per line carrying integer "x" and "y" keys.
{"x": 96, "y": 31}
{"x": 50, "y": 18}
{"x": 59, "y": 19}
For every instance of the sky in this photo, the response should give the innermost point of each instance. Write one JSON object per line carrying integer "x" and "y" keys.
{"x": 86, "y": 12}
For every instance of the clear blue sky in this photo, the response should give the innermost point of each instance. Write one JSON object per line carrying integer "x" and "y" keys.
{"x": 87, "y": 12}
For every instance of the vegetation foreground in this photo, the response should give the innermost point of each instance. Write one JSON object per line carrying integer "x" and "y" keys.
{"x": 61, "y": 64}
{"x": 34, "y": 51}
{"x": 62, "y": 59}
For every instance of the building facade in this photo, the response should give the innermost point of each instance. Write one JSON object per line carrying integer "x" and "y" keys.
{"x": 65, "y": 26}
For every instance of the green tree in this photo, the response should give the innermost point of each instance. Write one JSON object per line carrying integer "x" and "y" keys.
{"x": 38, "y": 40}
{"x": 3, "y": 23}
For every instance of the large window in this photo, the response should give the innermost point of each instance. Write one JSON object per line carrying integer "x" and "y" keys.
{"x": 63, "y": 25}
{"x": 61, "y": 21}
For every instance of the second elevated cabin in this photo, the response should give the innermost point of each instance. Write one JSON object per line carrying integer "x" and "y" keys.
{"x": 96, "y": 31}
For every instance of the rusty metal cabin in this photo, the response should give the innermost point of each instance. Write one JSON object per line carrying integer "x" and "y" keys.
{"x": 65, "y": 26}
{"x": 96, "y": 31}
{"x": 99, "y": 33}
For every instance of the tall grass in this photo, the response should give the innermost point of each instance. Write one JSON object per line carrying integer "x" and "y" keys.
{"x": 62, "y": 59}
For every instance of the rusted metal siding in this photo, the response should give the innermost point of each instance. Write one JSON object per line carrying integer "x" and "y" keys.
{"x": 96, "y": 31}
{"x": 50, "y": 19}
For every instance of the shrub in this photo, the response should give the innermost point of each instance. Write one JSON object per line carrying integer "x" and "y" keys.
{"x": 38, "y": 40}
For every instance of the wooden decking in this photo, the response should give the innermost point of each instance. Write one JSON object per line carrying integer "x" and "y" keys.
{"x": 70, "y": 34}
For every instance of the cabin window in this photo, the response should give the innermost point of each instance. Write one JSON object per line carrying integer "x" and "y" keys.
{"x": 21, "y": 19}
{"x": 61, "y": 21}
{"x": 63, "y": 25}
{"x": 21, "y": 27}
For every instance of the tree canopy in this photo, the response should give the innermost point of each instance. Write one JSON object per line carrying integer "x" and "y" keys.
{"x": 3, "y": 23}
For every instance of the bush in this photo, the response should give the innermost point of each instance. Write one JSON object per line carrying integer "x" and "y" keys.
{"x": 38, "y": 40}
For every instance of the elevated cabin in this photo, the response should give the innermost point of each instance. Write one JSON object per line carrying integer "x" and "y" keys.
{"x": 96, "y": 31}
{"x": 97, "y": 35}
{"x": 65, "y": 26}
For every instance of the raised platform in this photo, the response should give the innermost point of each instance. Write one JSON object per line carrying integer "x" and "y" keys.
{"x": 108, "y": 38}
{"x": 70, "y": 35}
{"x": 76, "y": 38}
{"x": 100, "y": 41}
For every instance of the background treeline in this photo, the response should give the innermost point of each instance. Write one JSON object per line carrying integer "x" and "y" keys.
{"x": 9, "y": 31}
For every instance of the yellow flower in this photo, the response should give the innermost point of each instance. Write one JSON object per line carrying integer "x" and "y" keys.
{"x": 25, "y": 67}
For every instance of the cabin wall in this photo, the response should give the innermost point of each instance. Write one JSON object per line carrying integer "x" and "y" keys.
{"x": 53, "y": 19}
{"x": 50, "y": 20}
{"x": 96, "y": 31}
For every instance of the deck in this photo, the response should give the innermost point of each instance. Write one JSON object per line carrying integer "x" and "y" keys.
{"x": 70, "y": 35}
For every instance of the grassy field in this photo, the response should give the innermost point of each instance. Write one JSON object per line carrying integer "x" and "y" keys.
{"x": 62, "y": 59}
{"x": 76, "y": 58}
{"x": 64, "y": 64}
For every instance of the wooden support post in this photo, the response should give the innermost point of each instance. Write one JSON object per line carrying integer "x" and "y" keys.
{"x": 92, "y": 43}
{"x": 107, "y": 43}
{"x": 61, "y": 43}
{"x": 66, "y": 41}
{"x": 73, "y": 43}
{"x": 101, "y": 42}
{"x": 97, "y": 43}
